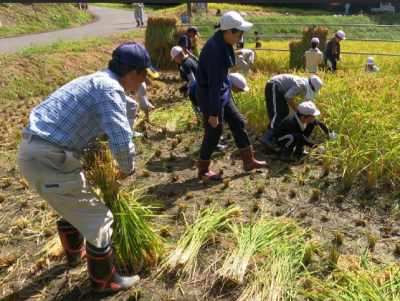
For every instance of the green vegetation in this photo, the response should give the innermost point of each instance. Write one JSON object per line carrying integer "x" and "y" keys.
{"x": 17, "y": 18}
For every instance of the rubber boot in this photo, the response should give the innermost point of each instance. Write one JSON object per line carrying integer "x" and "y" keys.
{"x": 267, "y": 140}
{"x": 138, "y": 23}
{"x": 72, "y": 242}
{"x": 103, "y": 276}
{"x": 249, "y": 163}
{"x": 142, "y": 23}
{"x": 204, "y": 170}
{"x": 286, "y": 153}
{"x": 220, "y": 147}
{"x": 298, "y": 153}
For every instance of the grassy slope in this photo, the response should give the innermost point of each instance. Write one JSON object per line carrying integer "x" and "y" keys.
{"x": 18, "y": 18}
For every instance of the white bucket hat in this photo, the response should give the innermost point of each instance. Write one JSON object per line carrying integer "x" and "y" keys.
{"x": 370, "y": 60}
{"x": 233, "y": 20}
{"x": 340, "y": 34}
{"x": 316, "y": 40}
{"x": 316, "y": 82}
{"x": 239, "y": 81}
{"x": 308, "y": 108}
{"x": 175, "y": 51}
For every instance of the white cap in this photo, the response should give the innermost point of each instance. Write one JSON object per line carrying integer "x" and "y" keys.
{"x": 316, "y": 40}
{"x": 370, "y": 60}
{"x": 239, "y": 81}
{"x": 175, "y": 51}
{"x": 233, "y": 20}
{"x": 340, "y": 34}
{"x": 308, "y": 108}
{"x": 316, "y": 82}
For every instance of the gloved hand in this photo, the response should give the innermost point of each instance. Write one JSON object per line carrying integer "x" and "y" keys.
{"x": 333, "y": 136}
{"x": 340, "y": 58}
{"x": 321, "y": 150}
{"x": 196, "y": 58}
{"x": 183, "y": 88}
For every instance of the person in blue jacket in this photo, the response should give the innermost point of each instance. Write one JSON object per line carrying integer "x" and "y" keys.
{"x": 214, "y": 96}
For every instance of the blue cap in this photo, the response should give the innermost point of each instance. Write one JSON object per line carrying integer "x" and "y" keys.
{"x": 135, "y": 55}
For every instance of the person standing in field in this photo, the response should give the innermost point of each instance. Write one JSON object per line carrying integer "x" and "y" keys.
{"x": 214, "y": 95}
{"x": 370, "y": 67}
{"x": 240, "y": 44}
{"x": 280, "y": 91}
{"x": 49, "y": 154}
{"x": 258, "y": 40}
{"x": 346, "y": 9}
{"x": 314, "y": 56}
{"x": 332, "y": 51}
{"x": 186, "y": 43}
{"x": 243, "y": 58}
{"x": 138, "y": 13}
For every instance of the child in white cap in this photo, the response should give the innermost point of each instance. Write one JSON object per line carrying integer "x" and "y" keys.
{"x": 332, "y": 51}
{"x": 295, "y": 130}
{"x": 370, "y": 67}
{"x": 313, "y": 56}
{"x": 214, "y": 97}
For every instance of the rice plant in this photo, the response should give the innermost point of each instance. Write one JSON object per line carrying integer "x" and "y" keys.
{"x": 2, "y": 198}
{"x": 181, "y": 259}
{"x": 137, "y": 245}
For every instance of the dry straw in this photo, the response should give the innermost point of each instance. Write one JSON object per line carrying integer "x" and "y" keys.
{"x": 299, "y": 47}
{"x": 161, "y": 35}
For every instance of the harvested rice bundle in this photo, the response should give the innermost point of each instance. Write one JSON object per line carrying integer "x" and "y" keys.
{"x": 181, "y": 261}
{"x": 137, "y": 245}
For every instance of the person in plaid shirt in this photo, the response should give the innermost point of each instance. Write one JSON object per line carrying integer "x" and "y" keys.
{"x": 49, "y": 158}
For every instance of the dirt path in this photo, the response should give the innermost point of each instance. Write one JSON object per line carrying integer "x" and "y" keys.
{"x": 109, "y": 21}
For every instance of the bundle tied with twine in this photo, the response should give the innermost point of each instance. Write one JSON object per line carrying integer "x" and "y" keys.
{"x": 137, "y": 246}
{"x": 299, "y": 47}
{"x": 161, "y": 35}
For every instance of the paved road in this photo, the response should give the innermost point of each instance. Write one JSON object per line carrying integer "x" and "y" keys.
{"x": 109, "y": 21}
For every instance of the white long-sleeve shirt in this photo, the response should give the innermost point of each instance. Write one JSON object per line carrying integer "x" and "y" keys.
{"x": 314, "y": 57}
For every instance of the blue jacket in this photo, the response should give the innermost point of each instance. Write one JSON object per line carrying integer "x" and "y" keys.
{"x": 216, "y": 58}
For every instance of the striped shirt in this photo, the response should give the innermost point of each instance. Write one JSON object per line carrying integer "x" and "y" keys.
{"x": 84, "y": 109}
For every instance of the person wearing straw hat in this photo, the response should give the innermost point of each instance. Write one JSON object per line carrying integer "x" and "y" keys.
{"x": 370, "y": 67}
{"x": 58, "y": 131}
{"x": 214, "y": 96}
{"x": 332, "y": 51}
{"x": 295, "y": 130}
{"x": 243, "y": 58}
{"x": 280, "y": 91}
{"x": 314, "y": 56}
{"x": 138, "y": 13}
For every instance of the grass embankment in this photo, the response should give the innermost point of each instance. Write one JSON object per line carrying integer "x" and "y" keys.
{"x": 18, "y": 18}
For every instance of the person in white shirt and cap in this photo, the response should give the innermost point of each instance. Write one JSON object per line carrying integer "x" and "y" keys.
{"x": 243, "y": 58}
{"x": 138, "y": 13}
{"x": 314, "y": 56}
{"x": 370, "y": 65}
{"x": 132, "y": 107}
{"x": 280, "y": 91}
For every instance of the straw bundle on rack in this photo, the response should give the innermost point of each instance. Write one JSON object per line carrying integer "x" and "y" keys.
{"x": 299, "y": 47}
{"x": 136, "y": 243}
{"x": 161, "y": 35}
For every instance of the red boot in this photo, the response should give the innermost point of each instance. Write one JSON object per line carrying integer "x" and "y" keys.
{"x": 72, "y": 242}
{"x": 249, "y": 163}
{"x": 204, "y": 170}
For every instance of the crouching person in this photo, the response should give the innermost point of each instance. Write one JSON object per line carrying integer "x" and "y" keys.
{"x": 49, "y": 158}
{"x": 295, "y": 130}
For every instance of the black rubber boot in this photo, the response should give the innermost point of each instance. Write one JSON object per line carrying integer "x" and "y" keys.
{"x": 220, "y": 147}
{"x": 286, "y": 153}
{"x": 142, "y": 23}
{"x": 138, "y": 23}
{"x": 103, "y": 276}
{"x": 72, "y": 242}
{"x": 267, "y": 140}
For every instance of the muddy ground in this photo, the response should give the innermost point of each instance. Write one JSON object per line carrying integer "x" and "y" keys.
{"x": 27, "y": 224}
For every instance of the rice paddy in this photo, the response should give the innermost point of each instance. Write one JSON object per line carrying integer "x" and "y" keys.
{"x": 326, "y": 229}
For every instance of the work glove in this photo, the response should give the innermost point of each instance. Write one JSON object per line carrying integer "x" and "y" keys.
{"x": 340, "y": 58}
{"x": 321, "y": 150}
{"x": 196, "y": 58}
{"x": 333, "y": 136}
{"x": 184, "y": 88}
